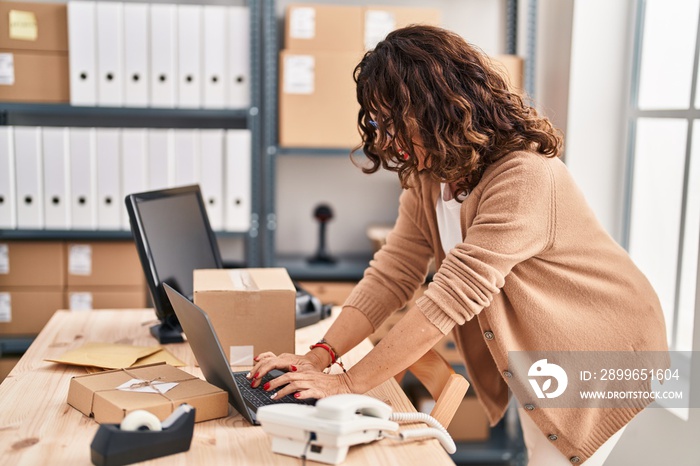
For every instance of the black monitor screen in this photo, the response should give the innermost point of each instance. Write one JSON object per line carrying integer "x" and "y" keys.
{"x": 173, "y": 236}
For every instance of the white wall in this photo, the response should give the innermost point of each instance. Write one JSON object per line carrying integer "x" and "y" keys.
{"x": 598, "y": 96}
{"x": 596, "y": 141}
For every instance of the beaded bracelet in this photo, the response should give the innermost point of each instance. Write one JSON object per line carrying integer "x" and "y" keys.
{"x": 322, "y": 343}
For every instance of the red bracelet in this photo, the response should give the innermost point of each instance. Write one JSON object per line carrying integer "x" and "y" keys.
{"x": 329, "y": 348}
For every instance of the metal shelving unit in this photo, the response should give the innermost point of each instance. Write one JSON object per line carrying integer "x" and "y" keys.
{"x": 347, "y": 267}
{"x": 20, "y": 114}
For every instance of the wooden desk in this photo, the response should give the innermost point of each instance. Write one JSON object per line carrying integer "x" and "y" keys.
{"x": 37, "y": 426}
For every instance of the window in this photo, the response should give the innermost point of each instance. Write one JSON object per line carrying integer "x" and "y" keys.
{"x": 663, "y": 224}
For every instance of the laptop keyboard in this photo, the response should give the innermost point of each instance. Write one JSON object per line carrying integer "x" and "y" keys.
{"x": 259, "y": 397}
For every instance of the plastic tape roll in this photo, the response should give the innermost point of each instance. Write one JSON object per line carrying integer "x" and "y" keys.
{"x": 140, "y": 420}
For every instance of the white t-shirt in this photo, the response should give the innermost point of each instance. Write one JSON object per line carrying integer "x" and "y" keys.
{"x": 448, "y": 219}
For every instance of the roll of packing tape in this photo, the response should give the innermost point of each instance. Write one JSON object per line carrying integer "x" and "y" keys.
{"x": 140, "y": 420}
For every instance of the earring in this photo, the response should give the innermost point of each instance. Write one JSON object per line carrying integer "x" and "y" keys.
{"x": 404, "y": 154}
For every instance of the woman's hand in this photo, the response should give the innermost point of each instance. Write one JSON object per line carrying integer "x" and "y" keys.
{"x": 265, "y": 362}
{"x": 308, "y": 384}
{"x": 305, "y": 378}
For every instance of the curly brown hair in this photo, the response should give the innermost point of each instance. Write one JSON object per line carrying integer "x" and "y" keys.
{"x": 429, "y": 81}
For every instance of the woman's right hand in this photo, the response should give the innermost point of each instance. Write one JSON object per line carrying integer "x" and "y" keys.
{"x": 265, "y": 362}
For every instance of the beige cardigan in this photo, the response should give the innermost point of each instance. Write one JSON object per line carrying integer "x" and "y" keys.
{"x": 536, "y": 271}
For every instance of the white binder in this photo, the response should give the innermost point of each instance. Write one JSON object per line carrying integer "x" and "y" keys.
{"x": 82, "y": 179}
{"x": 211, "y": 174}
{"x": 215, "y": 74}
{"x": 108, "y": 170}
{"x": 237, "y": 180}
{"x": 186, "y": 157}
{"x": 189, "y": 56}
{"x": 134, "y": 161}
{"x": 160, "y": 159}
{"x": 136, "y": 54}
{"x": 110, "y": 53}
{"x": 30, "y": 182}
{"x": 238, "y": 88}
{"x": 82, "y": 57}
{"x": 56, "y": 178}
{"x": 163, "y": 88}
{"x": 8, "y": 205}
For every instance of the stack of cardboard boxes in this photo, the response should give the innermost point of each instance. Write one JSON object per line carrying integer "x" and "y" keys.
{"x": 34, "y": 52}
{"x": 322, "y": 45}
{"x": 39, "y": 277}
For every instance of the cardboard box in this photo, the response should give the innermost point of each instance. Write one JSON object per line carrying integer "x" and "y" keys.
{"x": 82, "y": 298}
{"x": 512, "y": 67}
{"x": 379, "y": 20}
{"x": 34, "y": 26}
{"x": 25, "y": 311}
{"x": 103, "y": 263}
{"x": 469, "y": 423}
{"x": 96, "y": 395}
{"x": 29, "y": 82}
{"x": 314, "y": 27}
{"x": 251, "y": 310}
{"x": 334, "y": 293}
{"x": 7, "y": 363}
{"x": 34, "y": 45}
{"x": 32, "y": 263}
{"x": 317, "y": 102}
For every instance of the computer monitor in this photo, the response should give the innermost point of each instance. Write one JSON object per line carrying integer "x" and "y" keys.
{"x": 173, "y": 237}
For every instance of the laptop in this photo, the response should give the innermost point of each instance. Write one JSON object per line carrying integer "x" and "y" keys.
{"x": 215, "y": 367}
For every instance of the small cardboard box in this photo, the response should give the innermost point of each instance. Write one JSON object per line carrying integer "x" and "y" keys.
{"x": 103, "y": 263}
{"x": 96, "y": 395}
{"x": 83, "y": 298}
{"x": 317, "y": 102}
{"x": 32, "y": 263}
{"x": 25, "y": 310}
{"x": 469, "y": 423}
{"x": 512, "y": 67}
{"x": 314, "y": 27}
{"x": 251, "y": 310}
{"x": 28, "y": 80}
{"x": 379, "y": 20}
{"x": 34, "y": 45}
{"x": 34, "y": 26}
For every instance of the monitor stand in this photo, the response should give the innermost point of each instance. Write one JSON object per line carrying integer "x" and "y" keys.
{"x": 168, "y": 331}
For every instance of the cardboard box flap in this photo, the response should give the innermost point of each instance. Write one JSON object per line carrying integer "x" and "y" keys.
{"x": 269, "y": 279}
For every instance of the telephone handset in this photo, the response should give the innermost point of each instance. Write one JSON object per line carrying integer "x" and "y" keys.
{"x": 346, "y": 407}
{"x": 325, "y": 432}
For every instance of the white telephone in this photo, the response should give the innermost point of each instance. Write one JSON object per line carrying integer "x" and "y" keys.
{"x": 326, "y": 431}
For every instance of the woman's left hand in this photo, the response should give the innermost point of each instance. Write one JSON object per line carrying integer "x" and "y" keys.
{"x": 309, "y": 384}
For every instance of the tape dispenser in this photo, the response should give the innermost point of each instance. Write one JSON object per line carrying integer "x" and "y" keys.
{"x": 141, "y": 436}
